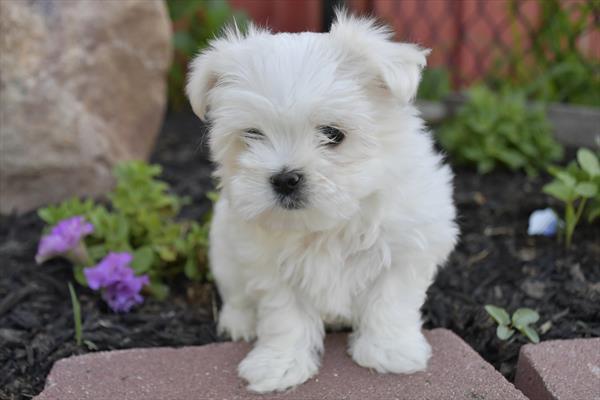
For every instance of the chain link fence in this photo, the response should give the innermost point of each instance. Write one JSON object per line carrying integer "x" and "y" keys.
{"x": 476, "y": 39}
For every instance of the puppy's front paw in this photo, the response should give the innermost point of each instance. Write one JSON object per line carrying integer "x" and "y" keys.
{"x": 237, "y": 323}
{"x": 399, "y": 355}
{"x": 268, "y": 370}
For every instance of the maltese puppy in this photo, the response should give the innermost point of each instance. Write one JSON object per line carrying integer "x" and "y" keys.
{"x": 335, "y": 208}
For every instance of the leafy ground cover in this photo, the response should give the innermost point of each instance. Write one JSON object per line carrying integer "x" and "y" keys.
{"x": 494, "y": 263}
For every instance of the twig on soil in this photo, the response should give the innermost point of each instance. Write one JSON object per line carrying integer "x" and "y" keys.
{"x": 482, "y": 255}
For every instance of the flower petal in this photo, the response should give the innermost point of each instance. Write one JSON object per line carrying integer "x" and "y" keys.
{"x": 64, "y": 236}
{"x": 121, "y": 287}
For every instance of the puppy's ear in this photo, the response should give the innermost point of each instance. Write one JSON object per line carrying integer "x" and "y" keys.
{"x": 202, "y": 77}
{"x": 396, "y": 66}
{"x": 207, "y": 67}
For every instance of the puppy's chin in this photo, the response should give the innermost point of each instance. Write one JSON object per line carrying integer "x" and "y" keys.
{"x": 307, "y": 220}
{"x": 309, "y": 217}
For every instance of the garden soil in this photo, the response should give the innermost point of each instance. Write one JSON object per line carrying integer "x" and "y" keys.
{"x": 494, "y": 263}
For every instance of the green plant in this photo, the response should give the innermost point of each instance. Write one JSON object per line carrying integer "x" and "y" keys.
{"x": 521, "y": 320}
{"x": 553, "y": 68}
{"x": 435, "y": 84}
{"x": 195, "y": 22}
{"x": 575, "y": 185}
{"x": 500, "y": 129}
{"x": 140, "y": 220}
{"x": 76, "y": 315}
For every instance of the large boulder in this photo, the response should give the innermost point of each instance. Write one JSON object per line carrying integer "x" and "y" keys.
{"x": 82, "y": 87}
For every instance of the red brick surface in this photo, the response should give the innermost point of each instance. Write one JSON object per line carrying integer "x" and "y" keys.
{"x": 560, "y": 370}
{"x": 209, "y": 372}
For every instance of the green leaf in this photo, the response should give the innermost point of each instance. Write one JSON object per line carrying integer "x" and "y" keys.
{"x": 435, "y": 84}
{"x": 512, "y": 158}
{"x": 566, "y": 178}
{"x": 166, "y": 253}
{"x": 68, "y": 208}
{"x": 553, "y": 170}
{"x": 594, "y": 212}
{"x": 97, "y": 252}
{"x": 485, "y": 166}
{"x": 523, "y": 317}
{"x": 90, "y": 345}
{"x": 588, "y": 162}
{"x": 79, "y": 276}
{"x": 46, "y": 215}
{"x": 504, "y": 332}
{"x": 498, "y": 314}
{"x": 180, "y": 9}
{"x": 191, "y": 269}
{"x": 559, "y": 190}
{"x": 212, "y": 196}
{"x": 158, "y": 290}
{"x": 586, "y": 189}
{"x": 143, "y": 258}
{"x": 531, "y": 334}
{"x": 184, "y": 42}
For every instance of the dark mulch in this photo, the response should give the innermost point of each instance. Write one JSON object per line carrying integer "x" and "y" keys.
{"x": 495, "y": 263}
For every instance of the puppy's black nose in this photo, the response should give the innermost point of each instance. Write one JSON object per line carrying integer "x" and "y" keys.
{"x": 286, "y": 182}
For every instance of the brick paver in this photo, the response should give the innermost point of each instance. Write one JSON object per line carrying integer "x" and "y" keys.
{"x": 560, "y": 370}
{"x": 209, "y": 372}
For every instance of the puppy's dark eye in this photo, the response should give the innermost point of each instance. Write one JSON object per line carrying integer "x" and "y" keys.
{"x": 334, "y": 135}
{"x": 253, "y": 133}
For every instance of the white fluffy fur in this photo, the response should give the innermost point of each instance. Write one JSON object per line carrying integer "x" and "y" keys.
{"x": 379, "y": 217}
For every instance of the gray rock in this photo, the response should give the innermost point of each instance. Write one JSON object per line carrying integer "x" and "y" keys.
{"x": 82, "y": 86}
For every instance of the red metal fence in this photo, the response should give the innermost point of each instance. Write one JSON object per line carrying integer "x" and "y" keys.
{"x": 466, "y": 36}
{"x": 284, "y": 15}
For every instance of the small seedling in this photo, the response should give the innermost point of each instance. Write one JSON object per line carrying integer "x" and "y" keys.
{"x": 577, "y": 186}
{"x": 521, "y": 320}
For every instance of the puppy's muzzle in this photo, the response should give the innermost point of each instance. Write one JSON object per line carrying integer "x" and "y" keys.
{"x": 288, "y": 186}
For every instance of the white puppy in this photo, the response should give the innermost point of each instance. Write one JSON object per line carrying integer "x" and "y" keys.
{"x": 334, "y": 206}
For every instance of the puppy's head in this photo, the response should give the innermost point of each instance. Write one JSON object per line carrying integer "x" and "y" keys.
{"x": 296, "y": 119}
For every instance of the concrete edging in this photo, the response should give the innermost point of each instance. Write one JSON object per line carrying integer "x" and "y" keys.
{"x": 560, "y": 370}
{"x": 577, "y": 126}
{"x": 455, "y": 371}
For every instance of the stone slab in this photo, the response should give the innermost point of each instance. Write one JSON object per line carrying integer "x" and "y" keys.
{"x": 209, "y": 372}
{"x": 560, "y": 370}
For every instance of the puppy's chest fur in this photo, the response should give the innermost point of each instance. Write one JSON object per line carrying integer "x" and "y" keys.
{"x": 332, "y": 268}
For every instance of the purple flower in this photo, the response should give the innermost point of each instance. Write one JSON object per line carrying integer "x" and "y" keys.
{"x": 65, "y": 237}
{"x": 112, "y": 269}
{"x": 120, "y": 286}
